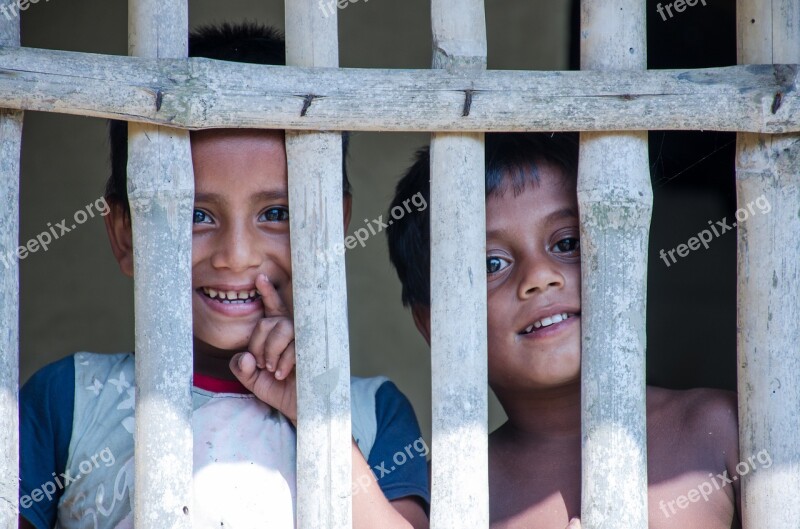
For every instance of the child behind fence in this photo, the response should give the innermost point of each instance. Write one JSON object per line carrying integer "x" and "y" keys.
{"x": 533, "y": 270}
{"x": 77, "y": 414}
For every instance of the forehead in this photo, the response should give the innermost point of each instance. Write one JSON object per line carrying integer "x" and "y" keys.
{"x": 549, "y": 197}
{"x": 238, "y": 160}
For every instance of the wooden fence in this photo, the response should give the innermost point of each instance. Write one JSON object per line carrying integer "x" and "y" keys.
{"x": 612, "y": 102}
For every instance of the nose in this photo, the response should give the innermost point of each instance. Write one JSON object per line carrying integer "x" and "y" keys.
{"x": 539, "y": 274}
{"x": 238, "y": 249}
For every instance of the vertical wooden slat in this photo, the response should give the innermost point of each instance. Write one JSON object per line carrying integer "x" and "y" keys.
{"x": 10, "y": 141}
{"x": 161, "y": 194}
{"x": 460, "y": 490}
{"x": 768, "y": 301}
{"x": 615, "y": 201}
{"x": 324, "y": 459}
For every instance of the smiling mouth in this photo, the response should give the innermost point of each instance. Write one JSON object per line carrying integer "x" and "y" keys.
{"x": 548, "y": 321}
{"x": 230, "y": 297}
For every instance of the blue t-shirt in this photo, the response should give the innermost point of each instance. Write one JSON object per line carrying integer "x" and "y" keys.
{"x": 47, "y": 412}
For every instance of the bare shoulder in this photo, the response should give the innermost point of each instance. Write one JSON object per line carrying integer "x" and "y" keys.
{"x": 695, "y": 409}
{"x": 707, "y": 418}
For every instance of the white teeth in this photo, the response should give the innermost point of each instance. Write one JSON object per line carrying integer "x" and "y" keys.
{"x": 546, "y": 322}
{"x": 229, "y": 296}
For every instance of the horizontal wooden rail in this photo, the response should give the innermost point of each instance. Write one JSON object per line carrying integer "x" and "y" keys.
{"x": 201, "y": 93}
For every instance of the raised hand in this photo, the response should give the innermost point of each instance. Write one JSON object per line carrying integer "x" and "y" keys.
{"x": 267, "y": 368}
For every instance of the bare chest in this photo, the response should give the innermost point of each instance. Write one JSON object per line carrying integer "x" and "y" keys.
{"x": 542, "y": 491}
{"x": 534, "y": 491}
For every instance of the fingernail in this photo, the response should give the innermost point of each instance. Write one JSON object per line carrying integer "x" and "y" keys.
{"x": 269, "y": 366}
{"x": 278, "y": 374}
{"x": 239, "y": 361}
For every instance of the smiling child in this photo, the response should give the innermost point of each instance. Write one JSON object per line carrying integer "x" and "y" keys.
{"x": 533, "y": 272}
{"x": 79, "y": 411}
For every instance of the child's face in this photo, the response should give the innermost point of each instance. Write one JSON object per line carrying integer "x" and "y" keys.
{"x": 240, "y": 230}
{"x": 533, "y": 273}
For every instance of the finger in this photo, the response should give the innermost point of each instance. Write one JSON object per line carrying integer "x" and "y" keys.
{"x": 286, "y": 363}
{"x": 273, "y": 304}
{"x": 281, "y": 335}
{"x": 258, "y": 341}
{"x": 288, "y": 399}
{"x": 575, "y": 523}
{"x": 243, "y": 366}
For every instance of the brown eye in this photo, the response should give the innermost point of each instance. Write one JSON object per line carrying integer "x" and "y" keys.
{"x": 568, "y": 244}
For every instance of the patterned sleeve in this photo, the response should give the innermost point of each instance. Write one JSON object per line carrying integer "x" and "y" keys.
{"x": 45, "y": 410}
{"x": 398, "y": 457}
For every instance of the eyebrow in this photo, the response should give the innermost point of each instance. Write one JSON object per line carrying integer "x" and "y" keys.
{"x": 262, "y": 196}
{"x": 564, "y": 213}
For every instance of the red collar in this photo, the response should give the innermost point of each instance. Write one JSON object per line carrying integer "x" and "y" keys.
{"x": 218, "y": 385}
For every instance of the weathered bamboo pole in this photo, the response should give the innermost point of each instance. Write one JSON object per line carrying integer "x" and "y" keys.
{"x": 161, "y": 195}
{"x": 615, "y": 201}
{"x": 10, "y": 143}
{"x": 324, "y": 462}
{"x": 201, "y": 93}
{"x": 768, "y": 304}
{"x": 460, "y": 471}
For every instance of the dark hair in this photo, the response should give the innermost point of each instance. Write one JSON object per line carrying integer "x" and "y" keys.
{"x": 512, "y": 162}
{"x": 246, "y": 42}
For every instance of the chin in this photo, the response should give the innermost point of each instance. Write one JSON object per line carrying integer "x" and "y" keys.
{"x": 228, "y": 345}
{"x": 551, "y": 379}
{"x": 567, "y": 380}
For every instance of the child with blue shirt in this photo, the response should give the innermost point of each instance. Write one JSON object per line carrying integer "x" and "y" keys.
{"x": 77, "y": 414}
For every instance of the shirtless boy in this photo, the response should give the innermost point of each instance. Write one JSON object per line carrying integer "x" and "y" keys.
{"x": 534, "y": 345}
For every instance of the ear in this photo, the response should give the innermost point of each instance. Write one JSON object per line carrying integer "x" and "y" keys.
{"x": 422, "y": 319}
{"x": 118, "y": 226}
{"x": 347, "y": 203}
